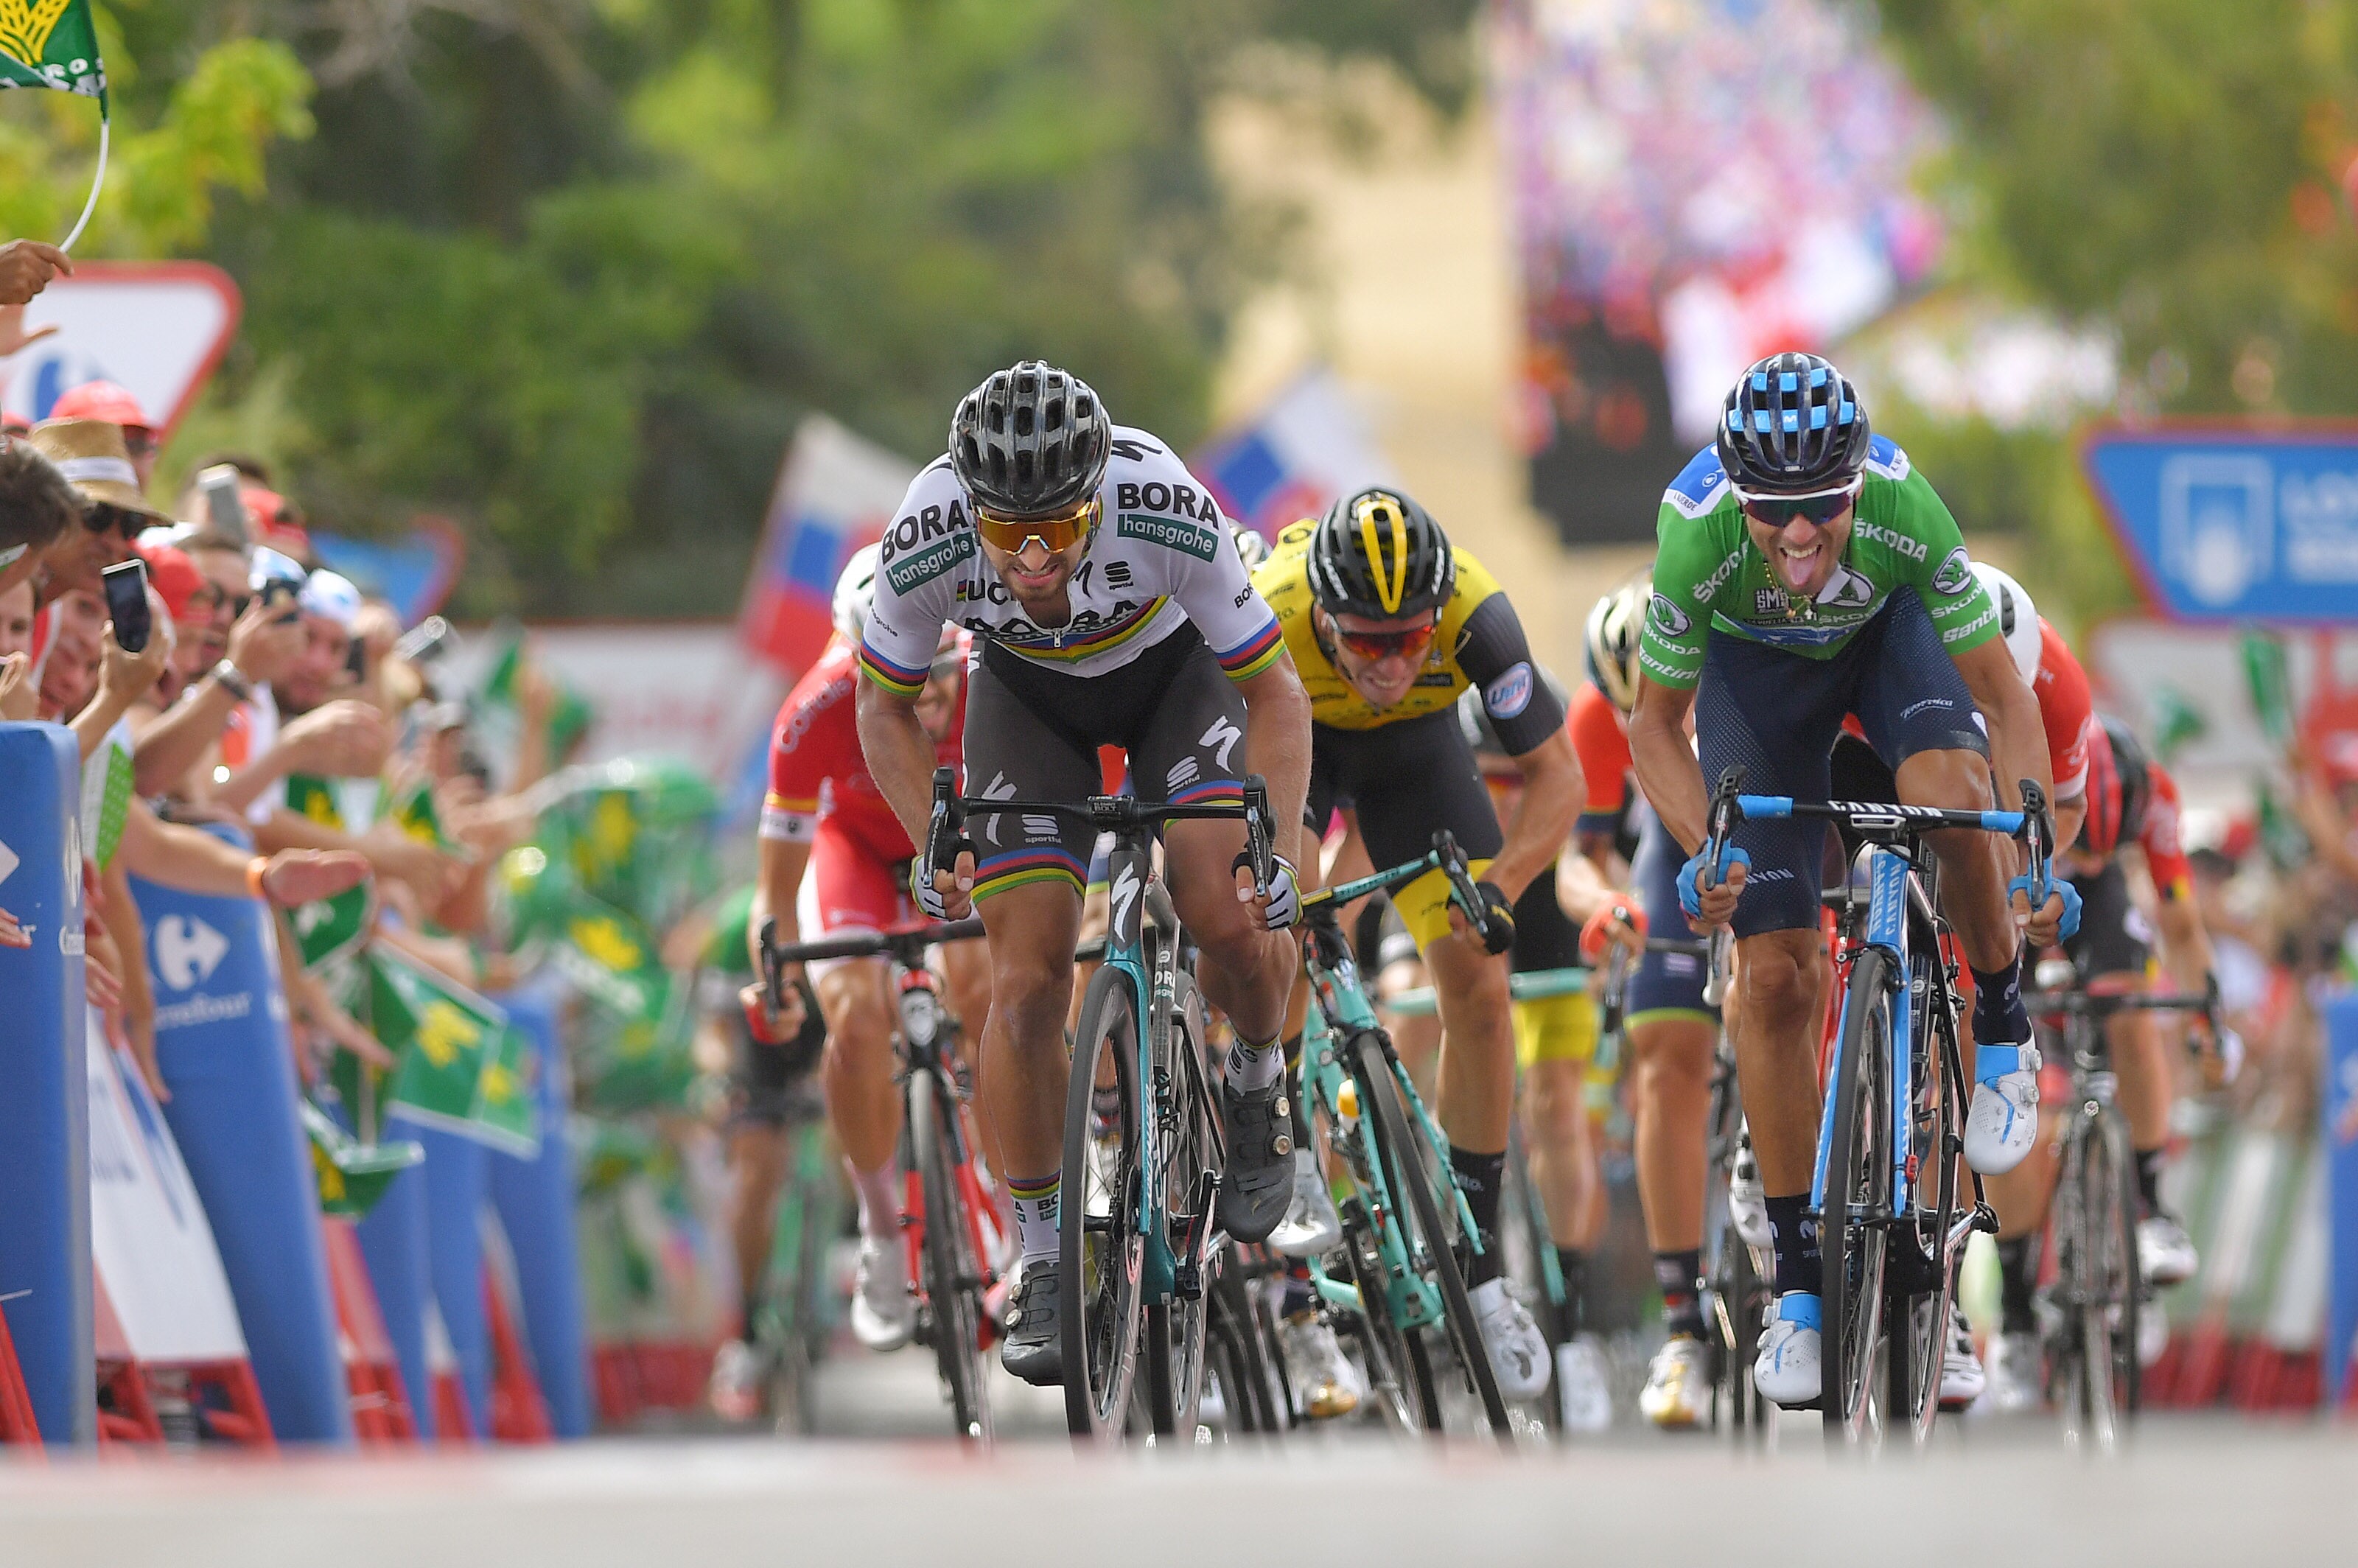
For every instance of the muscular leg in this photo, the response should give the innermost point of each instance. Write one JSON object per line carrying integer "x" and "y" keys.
{"x": 1973, "y": 884}
{"x": 1032, "y": 929}
{"x": 1776, "y": 1054}
{"x": 1477, "y": 1088}
{"x": 966, "y": 970}
{"x": 1671, "y": 1059}
{"x": 1563, "y": 1150}
{"x": 757, "y": 1158}
{"x": 862, "y": 1105}
{"x": 1245, "y": 971}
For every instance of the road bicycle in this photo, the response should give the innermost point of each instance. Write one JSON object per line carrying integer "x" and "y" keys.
{"x": 948, "y": 1225}
{"x": 1891, "y": 1225}
{"x": 1140, "y": 1239}
{"x": 2090, "y": 1333}
{"x": 797, "y": 1319}
{"x": 1408, "y": 1234}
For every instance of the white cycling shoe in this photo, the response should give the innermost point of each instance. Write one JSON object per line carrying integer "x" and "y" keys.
{"x": 1748, "y": 1204}
{"x": 1962, "y": 1378}
{"x": 1785, "y": 1368}
{"x": 1311, "y": 1226}
{"x": 736, "y": 1387}
{"x": 2003, "y": 1120}
{"x": 2166, "y": 1254}
{"x": 1677, "y": 1396}
{"x": 1324, "y": 1377}
{"x": 884, "y": 1312}
{"x": 1583, "y": 1387}
{"x": 2015, "y": 1376}
{"x": 1517, "y": 1350}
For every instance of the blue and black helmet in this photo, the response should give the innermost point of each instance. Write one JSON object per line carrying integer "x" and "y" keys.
{"x": 1794, "y": 427}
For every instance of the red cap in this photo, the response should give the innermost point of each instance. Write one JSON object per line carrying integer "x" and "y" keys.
{"x": 15, "y": 424}
{"x": 101, "y": 400}
{"x": 174, "y": 577}
{"x": 276, "y": 523}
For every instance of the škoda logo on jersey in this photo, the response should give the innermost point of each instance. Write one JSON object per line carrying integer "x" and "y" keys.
{"x": 918, "y": 549}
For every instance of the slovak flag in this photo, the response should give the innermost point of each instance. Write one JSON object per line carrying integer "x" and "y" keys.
{"x": 1291, "y": 460}
{"x": 836, "y": 492}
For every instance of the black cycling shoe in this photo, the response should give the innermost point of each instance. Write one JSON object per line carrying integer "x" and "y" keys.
{"x": 1258, "y": 1185}
{"x": 1033, "y": 1349}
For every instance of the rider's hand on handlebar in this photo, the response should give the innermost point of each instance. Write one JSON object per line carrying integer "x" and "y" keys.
{"x": 1281, "y": 907}
{"x": 1709, "y": 908}
{"x": 2057, "y": 918}
{"x": 1618, "y": 924}
{"x": 945, "y": 895}
{"x": 1497, "y": 934}
{"x": 775, "y": 1026}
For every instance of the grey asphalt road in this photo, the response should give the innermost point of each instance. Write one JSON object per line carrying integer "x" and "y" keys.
{"x": 890, "y": 1490}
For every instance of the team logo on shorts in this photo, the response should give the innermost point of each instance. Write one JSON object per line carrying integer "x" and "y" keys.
{"x": 1510, "y": 692}
{"x": 1667, "y": 619}
{"x": 1955, "y": 574}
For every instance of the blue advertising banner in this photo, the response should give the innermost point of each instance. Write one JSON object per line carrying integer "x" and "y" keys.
{"x": 2235, "y": 525}
{"x": 220, "y": 1041}
{"x": 2341, "y": 1150}
{"x": 45, "y": 1265}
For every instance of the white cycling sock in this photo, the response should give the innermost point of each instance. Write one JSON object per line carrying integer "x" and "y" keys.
{"x": 1255, "y": 1067}
{"x": 1034, "y": 1202}
{"x": 879, "y": 1201}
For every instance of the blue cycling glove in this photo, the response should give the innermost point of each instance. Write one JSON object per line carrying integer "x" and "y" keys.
{"x": 2070, "y": 894}
{"x": 1690, "y": 895}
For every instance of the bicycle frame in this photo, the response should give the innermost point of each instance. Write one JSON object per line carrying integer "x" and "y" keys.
{"x": 1341, "y": 1010}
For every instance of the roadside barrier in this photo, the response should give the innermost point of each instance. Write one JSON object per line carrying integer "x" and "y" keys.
{"x": 2338, "y": 1134}
{"x": 535, "y": 1200}
{"x": 392, "y": 1238}
{"x": 380, "y": 1398}
{"x": 222, "y": 1042}
{"x": 45, "y": 1260}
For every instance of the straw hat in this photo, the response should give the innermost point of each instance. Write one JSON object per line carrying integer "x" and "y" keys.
{"x": 91, "y": 453}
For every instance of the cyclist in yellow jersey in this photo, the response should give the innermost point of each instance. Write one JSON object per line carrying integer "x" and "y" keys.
{"x": 1387, "y": 623}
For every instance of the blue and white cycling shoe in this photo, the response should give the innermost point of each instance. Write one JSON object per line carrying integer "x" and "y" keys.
{"x": 2002, "y": 1123}
{"x": 1785, "y": 1368}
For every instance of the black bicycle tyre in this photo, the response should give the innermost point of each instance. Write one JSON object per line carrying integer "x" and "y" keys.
{"x": 1849, "y": 1358}
{"x": 1097, "y": 1407}
{"x": 1520, "y": 1199}
{"x": 1739, "y": 1298}
{"x": 1401, "y": 1382}
{"x": 1405, "y": 1168}
{"x": 1175, "y": 1329}
{"x": 953, "y": 1280}
{"x": 2107, "y": 1301}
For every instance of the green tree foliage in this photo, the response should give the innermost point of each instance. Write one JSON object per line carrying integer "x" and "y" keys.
{"x": 570, "y": 274}
{"x": 2172, "y": 171}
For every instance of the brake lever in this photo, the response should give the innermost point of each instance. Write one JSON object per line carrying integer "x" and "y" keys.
{"x": 1461, "y": 882}
{"x": 1719, "y": 825}
{"x": 945, "y": 830}
{"x": 772, "y": 969}
{"x": 1260, "y": 832}
{"x": 2039, "y": 836}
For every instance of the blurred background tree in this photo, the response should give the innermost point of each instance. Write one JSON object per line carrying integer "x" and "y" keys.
{"x": 2174, "y": 174}
{"x": 569, "y": 271}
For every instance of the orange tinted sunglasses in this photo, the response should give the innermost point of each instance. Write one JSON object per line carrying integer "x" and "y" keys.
{"x": 1061, "y": 532}
{"x": 1410, "y": 643}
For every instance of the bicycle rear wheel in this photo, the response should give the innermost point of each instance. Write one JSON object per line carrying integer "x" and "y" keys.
{"x": 1101, "y": 1250}
{"x": 953, "y": 1274}
{"x": 1429, "y": 1225}
{"x": 1530, "y": 1254}
{"x": 1857, "y": 1191}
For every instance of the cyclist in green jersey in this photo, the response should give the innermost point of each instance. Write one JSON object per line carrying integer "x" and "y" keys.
{"x": 1806, "y": 572}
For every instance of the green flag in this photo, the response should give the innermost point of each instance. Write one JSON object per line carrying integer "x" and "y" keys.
{"x": 2177, "y": 722}
{"x": 330, "y": 929}
{"x": 52, "y": 44}
{"x": 446, "y": 1037}
{"x": 508, "y": 1117}
{"x": 2271, "y": 685}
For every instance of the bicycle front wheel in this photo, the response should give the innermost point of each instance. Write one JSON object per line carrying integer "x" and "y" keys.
{"x": 1101, "y": 1251}
{"x": 1857, "y": 1194}
{"x": 1429, "y": 1226}
{"x": 1190, "y": 1118}
{"x": 2103, "y": 1290}
{"x": 953, "y": 1272}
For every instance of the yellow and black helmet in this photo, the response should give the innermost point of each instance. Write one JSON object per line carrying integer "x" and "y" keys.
{"x": 1380, "y": 554}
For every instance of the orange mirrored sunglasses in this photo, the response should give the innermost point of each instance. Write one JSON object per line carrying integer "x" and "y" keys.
{"x": 1061, "y": 532}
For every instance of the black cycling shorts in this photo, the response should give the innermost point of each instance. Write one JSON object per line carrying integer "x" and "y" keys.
{"x": 1776, "y": 715}
{"x": 770, "y": 1086}
{"x": 1664, "y": 983}
{"x": 1033, "y": 734}
{"x": 2114, "y": 938}
{"x": 1405, "y": 782}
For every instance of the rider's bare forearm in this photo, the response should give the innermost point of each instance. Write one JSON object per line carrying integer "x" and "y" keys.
{"x": 1277, "y": 744}
{"x": 1549, "y": 804}
{"x": 900, "y": 757}
{"x": 1667, "y": 774}
{"x": 2017, "y": 736}
{"x": 774, "y": 886}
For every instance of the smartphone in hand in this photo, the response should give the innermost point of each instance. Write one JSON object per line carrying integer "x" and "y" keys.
{"x": 126, "y": 602}
{"x": 225, "y": 504}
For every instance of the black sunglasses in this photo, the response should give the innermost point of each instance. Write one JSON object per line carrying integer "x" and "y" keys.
{"x": 1777, "y": 511}
{"x": 106, "y": 517}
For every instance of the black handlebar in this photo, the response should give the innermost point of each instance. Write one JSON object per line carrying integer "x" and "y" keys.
{"x": 904, "y": 944}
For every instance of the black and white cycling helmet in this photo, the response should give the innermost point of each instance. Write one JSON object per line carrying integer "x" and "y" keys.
{"x": 855, "y": 591}
{"x": 1380, "y": 555}
{"x": 1616, "y": 624}
{"x": 1030, "y": 441}
{"x": 1792, "y": 427}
